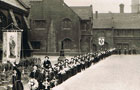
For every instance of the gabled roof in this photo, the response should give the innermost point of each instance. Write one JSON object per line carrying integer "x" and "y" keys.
{"x": 84, "y": 12}
{"x": 27, "y": 2}
{"x": 24, "y": 3}
{"x": 117, "y": 20}
{"x": 15, "y": 3}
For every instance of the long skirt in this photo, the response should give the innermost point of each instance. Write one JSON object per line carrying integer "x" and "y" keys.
{"x": 18, "y": 86}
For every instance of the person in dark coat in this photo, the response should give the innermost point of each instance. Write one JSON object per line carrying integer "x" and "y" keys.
{"x": 47, "y": 63}
{"x": 125, "y": 52}
{"x": 129, "y": 51}
{"x": 119, "y": 51}
{"x": 41, "y": 79}
{"x": 35, "y": 73}
{"x": 134, "y": 51}
{"x": 16, "y": 80}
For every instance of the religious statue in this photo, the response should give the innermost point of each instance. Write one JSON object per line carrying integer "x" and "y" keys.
{"x": 12, "y": 45}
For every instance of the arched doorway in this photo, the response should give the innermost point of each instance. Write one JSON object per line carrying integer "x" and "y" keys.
{"x": 67, "y": 44}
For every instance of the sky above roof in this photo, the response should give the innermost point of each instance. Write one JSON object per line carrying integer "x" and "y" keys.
{"x": 102, "y": 6}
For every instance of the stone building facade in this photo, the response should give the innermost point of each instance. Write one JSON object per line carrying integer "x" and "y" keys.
{"x": 120, "y": 30}
{"x": 135, "y": 6}
{"x": 55, "y": 25}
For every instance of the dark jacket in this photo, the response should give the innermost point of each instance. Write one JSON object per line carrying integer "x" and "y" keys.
{"x": 16, "y": 81}
{"x": 47, "y": 64}
{"x": 35, "y": 74}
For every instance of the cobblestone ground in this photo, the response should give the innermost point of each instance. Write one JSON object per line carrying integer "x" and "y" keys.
{"x": 113, "y": 73}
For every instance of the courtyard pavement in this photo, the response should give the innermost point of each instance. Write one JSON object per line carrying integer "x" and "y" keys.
{"x": 114, "y": 73}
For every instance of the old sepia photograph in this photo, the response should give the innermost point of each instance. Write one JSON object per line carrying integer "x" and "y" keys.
{"x": 69, "y": 44}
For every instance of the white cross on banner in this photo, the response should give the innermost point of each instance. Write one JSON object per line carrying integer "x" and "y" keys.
{"x": 101, "y": 41}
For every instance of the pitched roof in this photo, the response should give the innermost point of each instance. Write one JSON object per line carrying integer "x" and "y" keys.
{"x": 14, "y": 3}
{"x": 117, "y": 20}
{"x": 84, "y": 12}
{"x": 27, "y": 2}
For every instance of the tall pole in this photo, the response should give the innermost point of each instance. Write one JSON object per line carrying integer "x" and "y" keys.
{"x": 22, "y": 52}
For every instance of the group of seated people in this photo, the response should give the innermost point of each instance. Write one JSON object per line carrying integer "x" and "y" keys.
{"x": 47, "y": 76}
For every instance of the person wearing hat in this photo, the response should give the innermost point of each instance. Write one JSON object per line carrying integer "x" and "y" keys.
{"x": 16, "y": 80}
{"x": 41, "y": 79}
{"x": 35, "y": 73}
{"x": 125, "y": 52}
{"x": 47, "y": 63}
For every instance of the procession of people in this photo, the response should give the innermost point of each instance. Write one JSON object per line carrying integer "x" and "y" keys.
{"x": 47, "y": 76}
{"x": 125, "y": 51}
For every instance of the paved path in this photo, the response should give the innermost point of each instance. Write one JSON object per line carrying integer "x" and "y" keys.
{"x": 114, "y": 73}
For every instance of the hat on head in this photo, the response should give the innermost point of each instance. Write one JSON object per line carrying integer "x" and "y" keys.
{"x": 46, "y": 57}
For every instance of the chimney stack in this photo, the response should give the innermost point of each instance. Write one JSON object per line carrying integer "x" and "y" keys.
{"x": 96, "y": 14}
{"x": 121, "y": 8}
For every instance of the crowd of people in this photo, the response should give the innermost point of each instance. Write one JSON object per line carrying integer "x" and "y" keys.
{"x": 44, "y": 76}
{"x": 47, "y": 76}
{"x": 125, "y": 51}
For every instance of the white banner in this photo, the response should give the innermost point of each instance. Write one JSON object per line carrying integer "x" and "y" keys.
{"x": 11, "y": 46}
{"x": 101, "y": 41}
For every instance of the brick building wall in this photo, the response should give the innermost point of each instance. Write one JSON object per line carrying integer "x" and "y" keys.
{"x": 60, "y": 23}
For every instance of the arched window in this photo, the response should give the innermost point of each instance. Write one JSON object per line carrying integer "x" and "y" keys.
{"x": 66, "y": 24}
{"x": 67, "y": 43}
